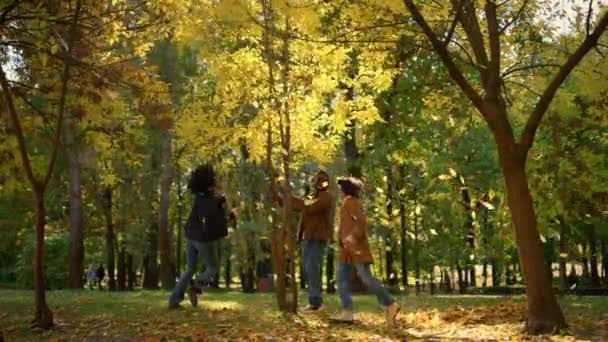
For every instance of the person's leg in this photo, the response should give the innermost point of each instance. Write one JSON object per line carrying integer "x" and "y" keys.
{"x": 316, "y": 250}
{"x": 346, "y": 315}
{"x": 208, "y": 251}
{"x": 180, "y": 288}
{"x": 344, "y": 272}
{"x": 374, "y": 285}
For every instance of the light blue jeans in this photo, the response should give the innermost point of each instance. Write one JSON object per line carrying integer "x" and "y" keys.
{"x": 195, "y": 250}
{"x": 312, "y": 257}
{"x": 373, "y": 284}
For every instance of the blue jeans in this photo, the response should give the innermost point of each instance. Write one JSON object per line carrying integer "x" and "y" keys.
{"x": 312, "y": 257}
{"x": 373, "y": 284}
{"x": 195, "y": 250}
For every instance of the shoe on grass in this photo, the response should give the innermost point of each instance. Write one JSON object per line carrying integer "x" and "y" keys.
{"x": 312, "y": 308}
{"x": 193, "y": 293}
{"x": 346, "y": 316}
{"x": 390, "y": 313}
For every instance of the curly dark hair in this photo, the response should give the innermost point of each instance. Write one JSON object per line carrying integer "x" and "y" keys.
{"x": 202, "y": 179}
{"x": 350, "y": 186}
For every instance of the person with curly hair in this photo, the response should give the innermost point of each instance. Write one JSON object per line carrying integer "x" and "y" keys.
{"x": 206, "y": 224}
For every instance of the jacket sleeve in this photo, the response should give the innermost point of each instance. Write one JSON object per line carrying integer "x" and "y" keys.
{"x": 322, "y": 202}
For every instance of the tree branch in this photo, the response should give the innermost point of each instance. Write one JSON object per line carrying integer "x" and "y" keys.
{"x": 527, "y": 137}
{"x": 492, "y": 85}
{"x": 588, "y": 20}
{"x": 443, "y": 53}
{"x": 63, "y": 94}
{"x": 515, "y": 17}
{"x": 12, "y": 111}
{"x": 528, "y": 67}
{"x": 468, "y": 20}
{"x": 448, "y": 38}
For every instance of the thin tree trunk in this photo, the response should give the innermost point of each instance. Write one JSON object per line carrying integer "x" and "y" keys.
{"x": 150, "y": 280}
{"x": 122, "y": 269}
{"x": 228, "y": 265}
{"x": 585, "y": 263}
{"x": 391, "y": 278}
{"x": 76, "y": 260}
{"x": 470, "y": 238}
{"x": 563, "y": 254}
{"x": 595, "y": 277}
{"x": 416, "y": 246}
{"x": 166, "y": 263}
{"x": 110, "y": 239}
{"x": 44, "y": 316}
{"x": 131, "y": 276}
{"x": 605, "y": 261}
{"x": 403, "y": 232}
{"x": 180, "y": 214}
{"x": 485, "y": 273}
{"x": 461, "y": 285}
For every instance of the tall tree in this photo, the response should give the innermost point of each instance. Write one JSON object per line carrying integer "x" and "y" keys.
{"x": 544, "y": 313}
{"x": 43, "y": 316}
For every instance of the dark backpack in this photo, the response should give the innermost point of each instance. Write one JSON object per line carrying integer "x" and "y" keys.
{"x": 207, "y": 221}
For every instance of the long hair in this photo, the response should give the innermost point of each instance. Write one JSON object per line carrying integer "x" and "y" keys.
{"x": 202, "y": 179}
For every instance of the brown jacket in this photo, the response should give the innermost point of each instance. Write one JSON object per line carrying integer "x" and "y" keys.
{"x": 316, "y": 221}
{"x": 353, "y": 223}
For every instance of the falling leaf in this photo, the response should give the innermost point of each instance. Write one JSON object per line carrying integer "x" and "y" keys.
{"x": 434, "y": 232}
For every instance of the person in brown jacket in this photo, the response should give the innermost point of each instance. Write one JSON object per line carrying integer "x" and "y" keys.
{"x": 355, "y": 254}
{"x": 316, "y": 229}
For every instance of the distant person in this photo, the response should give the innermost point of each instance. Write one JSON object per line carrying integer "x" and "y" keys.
{"x": 101, "y": 273}
{"x": 92, "y": 276}
{"x": 316, "y": 229}
{"x": 355, "y": 254}
{"x": 206, "y": 224}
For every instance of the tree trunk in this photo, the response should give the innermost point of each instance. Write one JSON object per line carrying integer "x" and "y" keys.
{"x": 180, "y": 214}
{"x": 228, "y": 266}
{"x": 470, "y": 238}
{"x": 585, "y": 263}
{"x": 164, "y": 242}
{"x": 110, "y": 239}
{"x": 563, "y": 254}
{"x": 44, "y": 316}
{"x": 403, "y": 232}
{"x": 461, "y": 284}
{"x": 605, "y": 261}
{"x": 485, "y": 274}
{"x": 122, "y": 270}
{"x": 544, "y": 313}
{"x": 391, "y": 278}
{"x": 496, "y": 272}
{"x": 150, "y": 280}
{"x": 76, "y": 259}
{"x": 595, "y": 277}
{"x": 416, "y": 251}
{"x": 131, "y": 276}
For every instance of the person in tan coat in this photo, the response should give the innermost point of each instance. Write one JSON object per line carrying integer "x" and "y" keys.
{"x": 355, "y": 254}
{"x": 316, "y": 229}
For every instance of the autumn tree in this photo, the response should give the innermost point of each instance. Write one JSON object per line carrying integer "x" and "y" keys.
{"x": 486, "y": 42}
{"x": 18, "y": 28}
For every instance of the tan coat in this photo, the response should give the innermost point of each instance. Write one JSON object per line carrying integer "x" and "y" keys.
{"x": 352, "y": 235}
{"x": 316, "y": 221}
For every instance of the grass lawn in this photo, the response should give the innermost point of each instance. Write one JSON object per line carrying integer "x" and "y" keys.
{"x": 229, "y": 316}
